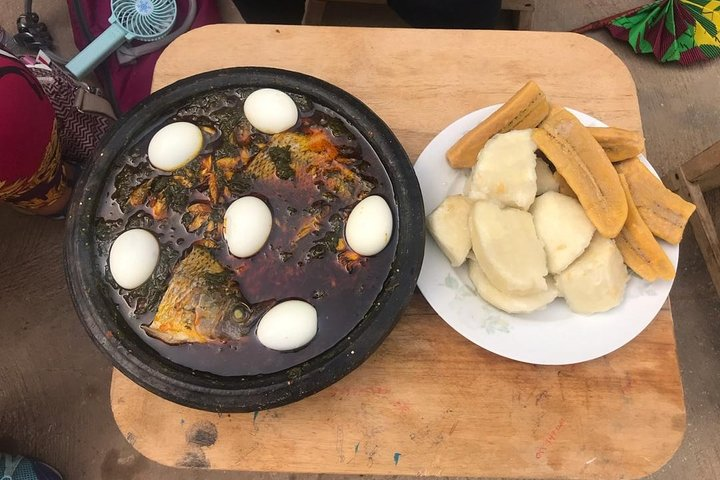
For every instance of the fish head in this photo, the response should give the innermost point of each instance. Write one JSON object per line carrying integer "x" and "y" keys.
{"x": 235, "y": 322}
{"x": 242, "y": 318}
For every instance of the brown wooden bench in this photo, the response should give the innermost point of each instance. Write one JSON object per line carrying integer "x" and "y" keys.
{"x": 691, "y": 181}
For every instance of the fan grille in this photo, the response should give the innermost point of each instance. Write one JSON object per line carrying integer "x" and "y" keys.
{"x": 147, "y": 20}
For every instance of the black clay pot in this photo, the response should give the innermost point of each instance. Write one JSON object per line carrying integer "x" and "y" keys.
{"x": 136, "y": 359}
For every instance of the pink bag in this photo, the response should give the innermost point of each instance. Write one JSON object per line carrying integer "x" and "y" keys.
{"x": 126, "y": 85}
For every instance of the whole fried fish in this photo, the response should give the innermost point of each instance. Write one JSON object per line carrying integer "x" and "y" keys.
{"x": 203, "y": 303}
{"x": 310, "y": 157}
{"x": 318, "y": 170}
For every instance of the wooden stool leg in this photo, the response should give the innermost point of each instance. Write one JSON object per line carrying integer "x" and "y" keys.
{"x": 314, "y": 10}
{"x": 702, "y": 225}
{"x": 525, "y": 18}
{"x": 525, "y": 10}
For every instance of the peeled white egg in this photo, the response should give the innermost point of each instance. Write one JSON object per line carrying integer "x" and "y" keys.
{"x": 270, "y": 110}
{"x": 248, "y": 221}
{"x": 288, "y": 325}
{"x": 133, "y": 257}
{"x": 369, "y": 226}
{"x": 175, "y": 145}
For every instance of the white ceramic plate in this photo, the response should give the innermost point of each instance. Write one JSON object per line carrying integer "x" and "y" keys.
{"x": 553, "y": 336}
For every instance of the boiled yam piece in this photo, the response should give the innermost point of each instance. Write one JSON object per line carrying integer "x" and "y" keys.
{"x": 448, "y": 225}
{"x": 505, "y": 170}
{"x": 563, "y": 186}
{"x": 508, "y": 302}
{"x": 595, "y": 282}
{"x": 546, "y": 182}
{"x": 507, "y": 248}
{"x": 563, "y": 227}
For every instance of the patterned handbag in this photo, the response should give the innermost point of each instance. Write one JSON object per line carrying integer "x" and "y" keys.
{"x": 83, "y": 115}
{"x": 32, "y": 176}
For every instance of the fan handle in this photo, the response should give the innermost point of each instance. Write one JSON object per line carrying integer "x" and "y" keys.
{"x": 100, "y": 48}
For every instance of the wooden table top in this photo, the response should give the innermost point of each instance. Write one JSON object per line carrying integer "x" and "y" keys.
{"x": 429, "y": 402}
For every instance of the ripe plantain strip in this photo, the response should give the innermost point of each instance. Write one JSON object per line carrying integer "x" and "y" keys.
{"x": 619, "y": 144}
{"x": 581, "y": 161}
{"x": 641, "y": 252}
{"x": 664, "y": 212}
{"x": 526, "y": 109}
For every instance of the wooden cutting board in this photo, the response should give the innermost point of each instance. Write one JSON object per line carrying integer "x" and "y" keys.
{"x": 429, "y": 402}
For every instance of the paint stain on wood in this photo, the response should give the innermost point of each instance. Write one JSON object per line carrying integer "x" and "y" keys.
{"x": 541, "y": 397}
{"x": 203, "y": 434}
{"x": 340, "y": 444}
{"x": 403, "y": 407}
{"x": 194, "y": 458}
{"x": 678, "y": 422}
{"x": 549, "y": 439}
{"x": 117, "y": 465}
{"x": 200, "y": 435}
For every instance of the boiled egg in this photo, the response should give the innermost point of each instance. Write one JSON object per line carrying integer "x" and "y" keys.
{"x": 270, "y": 110}
{"x": 288, "y": 325}
{"x": 133, "y": 257}
{"x": 175, "y": 145}
{"x": 369, "y": 226}
{"x": 248, "y": 221}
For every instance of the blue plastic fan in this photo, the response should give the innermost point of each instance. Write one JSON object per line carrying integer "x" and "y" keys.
{"x": 146, "y": 20}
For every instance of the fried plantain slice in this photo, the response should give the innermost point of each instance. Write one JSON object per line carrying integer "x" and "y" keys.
{"x": 664, "y": 212}
{"x": 619, "y": 144}
{"x": 581, "y": 161}
{"x": 640, "y": 251}
{"x": 526, "y": 109}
